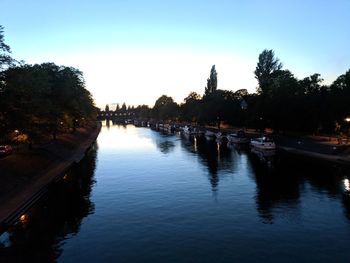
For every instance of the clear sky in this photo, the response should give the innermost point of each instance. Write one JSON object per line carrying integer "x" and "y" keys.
{"x": 135, "y": 51}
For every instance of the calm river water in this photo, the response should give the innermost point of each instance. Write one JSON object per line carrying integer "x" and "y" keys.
{"x": 143, "y": 196}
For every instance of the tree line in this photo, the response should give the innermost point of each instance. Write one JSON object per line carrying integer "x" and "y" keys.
{"x": 38, "y": 101}
{"x": 281, "y": 102}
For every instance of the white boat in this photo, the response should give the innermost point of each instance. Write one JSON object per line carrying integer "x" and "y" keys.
{"x": 239, "y": 138}
{"x": 263, "y": 143}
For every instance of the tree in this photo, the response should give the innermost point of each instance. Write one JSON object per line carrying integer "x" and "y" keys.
{"x": 123, "y": 108}
{"x": 41, "y": 99}
{"x": 191, "y": 108}
{"x": 212, "y": 81}
{"x": 27, "y": 100}
{"x": 266, "y": 66}
{"x": 342, "y": 83}
{"x": 193, "y": 96}
{"x": 5, "y": 51}
{"x": 339, "y": 96}
{"x": 312, "y": 84}
{"x": 165, "y": 108}
{"x": 143, "y": 111}
{"x": 280, "y": 107}
{"x": 216, "y": 107}
{"x": 5, "y": 60}
{"x": 241, "y": 93}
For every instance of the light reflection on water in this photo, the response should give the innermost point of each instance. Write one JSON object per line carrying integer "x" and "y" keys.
{"x": 143, "y": 196}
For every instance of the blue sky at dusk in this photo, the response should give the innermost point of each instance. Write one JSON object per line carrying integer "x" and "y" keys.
{"x": 135, "y": 51}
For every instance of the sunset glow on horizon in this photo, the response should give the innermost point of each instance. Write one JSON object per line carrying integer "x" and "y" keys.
{"x": 134, "y": 52}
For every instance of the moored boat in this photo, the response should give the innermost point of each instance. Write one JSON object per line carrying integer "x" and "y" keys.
{"x": 221, "y": 137}
{"x": 239, "y": 138}
{"x": 188, "y": 130}
{"x": 263, "y": 143}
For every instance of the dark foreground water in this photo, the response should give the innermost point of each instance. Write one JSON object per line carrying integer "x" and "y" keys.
{"x": 140, "y": 196}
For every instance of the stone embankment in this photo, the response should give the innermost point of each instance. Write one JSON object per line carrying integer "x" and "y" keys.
{"x": 26, "y": 174}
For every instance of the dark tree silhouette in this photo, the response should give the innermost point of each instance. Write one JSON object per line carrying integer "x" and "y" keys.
{"x": 165, "y": 108}
{"x": 5, "y": 60}
{"x": 190, "y": 110}
{"x": 5, "y": 51}
{"x": 264, "y": 70}
{"x": 123, "y": 108}
{"x": 212, "y": 82}
{"x": 42, "y": 99}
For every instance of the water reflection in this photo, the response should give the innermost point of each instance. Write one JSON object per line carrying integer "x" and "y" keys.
{"x": 275, "y": 189}
{"x": 346, "y": 196}
{"x": 279, "y": 181}
{"x": 38, "y": 235}
{"x": 108, "y": 123}
{"x": 165, "y": 142}
{"x": 279, "y": 190}
{"x": 166, "y": 146}
{"x": 267, "y": 157}
{"x": 212, "y": 155}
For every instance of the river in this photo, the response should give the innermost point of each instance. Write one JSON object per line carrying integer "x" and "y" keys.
{"x": 143, "y": 196}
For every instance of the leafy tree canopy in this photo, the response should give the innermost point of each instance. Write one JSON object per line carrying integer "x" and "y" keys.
{"x": 266, "y": 66}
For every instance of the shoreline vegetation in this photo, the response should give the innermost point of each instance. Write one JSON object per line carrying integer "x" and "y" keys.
{"x": 282, "y": 103}
{"x": 38, "y": 102}
{"x": 26, "y": 174}
{"x": 49, "y": 119}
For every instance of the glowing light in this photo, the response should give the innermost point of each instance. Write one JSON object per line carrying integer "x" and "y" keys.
{"x": 23, "y": 218}
{"x": 195, "y": 144}
{"x": 218, "y": 149}
{"x": 347, "y": 119}
{"x": 347, "y": 185}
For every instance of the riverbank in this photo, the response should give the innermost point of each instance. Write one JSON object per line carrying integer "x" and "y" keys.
{"x": 315, "y": 147}
{"x": 319, "y": 148}
{"x": 26, "y": 174}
